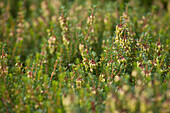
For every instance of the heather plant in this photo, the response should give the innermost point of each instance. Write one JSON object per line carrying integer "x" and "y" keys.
{"x": 84, "y": 56}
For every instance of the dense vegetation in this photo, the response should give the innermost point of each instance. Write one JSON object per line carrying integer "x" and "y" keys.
{"x": 84, "y": 56}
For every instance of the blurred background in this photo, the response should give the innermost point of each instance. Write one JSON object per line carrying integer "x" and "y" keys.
{"x": 14, "y": 4}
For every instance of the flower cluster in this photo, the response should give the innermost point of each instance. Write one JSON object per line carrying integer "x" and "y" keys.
{"x": 51, "y": 42}
{"x": 63, "y": 23}
{"x": 91, "y": 19}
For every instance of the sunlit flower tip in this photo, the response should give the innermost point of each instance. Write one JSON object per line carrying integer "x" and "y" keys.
{"x": 81, "y": 46}
{"x": 117, "y": 78}
{"x": 123, "y": 59}
{"x": 159, "y": 46}
{"x": 101, "y": 77}
{"x": 60, "y": 18}
{"x": 78, "y": 82}
{"x": 92, "y": 63}
{"x": 118, "y": 60}
{"x": 91, "y": 70}
{"x": 42, "y": 91}
{"x": 93, "y": 92}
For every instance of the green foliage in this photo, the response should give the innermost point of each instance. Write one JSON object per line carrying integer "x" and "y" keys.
{"x": 84, "y": 56}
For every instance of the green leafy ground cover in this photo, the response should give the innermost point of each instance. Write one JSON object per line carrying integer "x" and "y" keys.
{"x": 84, "y": 56}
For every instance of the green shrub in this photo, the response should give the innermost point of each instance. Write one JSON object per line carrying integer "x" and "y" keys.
{"x": 84, "y": 56}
